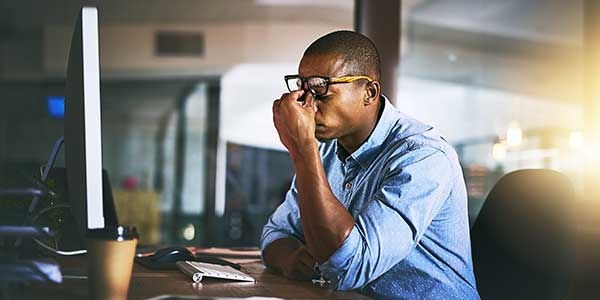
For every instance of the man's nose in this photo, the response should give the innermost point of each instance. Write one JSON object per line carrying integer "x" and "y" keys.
{"x": 308, "y": 98}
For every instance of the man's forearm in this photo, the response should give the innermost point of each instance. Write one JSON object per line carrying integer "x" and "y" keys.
{"x": 325, "y": 221}
{"x": 276, "y": 254}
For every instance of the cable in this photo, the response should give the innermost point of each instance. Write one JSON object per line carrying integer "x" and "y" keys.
{"x": 21, "y": 192}
{"x": 59, "y": 252}
{"x": 52, "y": 157}
{"x": 49, "y": 248}
{"x": 46, "y": 169}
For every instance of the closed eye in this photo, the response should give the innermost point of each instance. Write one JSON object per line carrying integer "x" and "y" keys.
{"x": 322, "y": 97}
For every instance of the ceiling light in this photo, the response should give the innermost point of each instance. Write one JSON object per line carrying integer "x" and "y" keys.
{"x": 514, "y": 134}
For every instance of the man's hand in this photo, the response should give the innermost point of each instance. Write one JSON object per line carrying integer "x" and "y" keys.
{"x": 294, "y": 119}
{"x": 291, "y": 258}
{"x": 300, "y": 265}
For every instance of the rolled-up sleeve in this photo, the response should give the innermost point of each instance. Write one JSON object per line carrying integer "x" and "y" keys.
{"x": 389, "y": 226}
{"x": 285, "y": 221}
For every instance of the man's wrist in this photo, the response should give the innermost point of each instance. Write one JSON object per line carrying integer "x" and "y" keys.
{"x": 304, "y": 153}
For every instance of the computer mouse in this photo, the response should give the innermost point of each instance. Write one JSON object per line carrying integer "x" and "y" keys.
{"x": 172, "y": 254}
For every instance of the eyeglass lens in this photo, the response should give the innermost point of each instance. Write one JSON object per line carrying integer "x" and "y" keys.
{"x": 317, "y": 86}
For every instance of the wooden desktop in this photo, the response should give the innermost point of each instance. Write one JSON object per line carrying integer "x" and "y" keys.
{"x": 146, "y": 283}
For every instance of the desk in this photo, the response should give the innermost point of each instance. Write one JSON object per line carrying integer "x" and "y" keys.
{"x": 147, "y": 283}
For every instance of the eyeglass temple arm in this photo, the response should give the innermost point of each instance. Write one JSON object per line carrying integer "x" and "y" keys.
{"x": 350, "y": 78}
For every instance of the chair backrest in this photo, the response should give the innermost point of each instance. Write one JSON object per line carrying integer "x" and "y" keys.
{"x": 523, "y": 240}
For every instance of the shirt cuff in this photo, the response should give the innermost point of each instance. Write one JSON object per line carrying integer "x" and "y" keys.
{"x": 336, "y": 266}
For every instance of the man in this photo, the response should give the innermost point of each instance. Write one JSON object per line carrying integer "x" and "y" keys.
{"x": 379, "y": 203}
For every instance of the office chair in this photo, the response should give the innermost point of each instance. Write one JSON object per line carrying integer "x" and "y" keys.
{"x": 523, "y": 240}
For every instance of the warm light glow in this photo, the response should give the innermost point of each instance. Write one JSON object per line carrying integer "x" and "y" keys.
{"x": 189, "y": 232}
{"x": 576, "y": 140}
{"x": 499, "y": 151}
{"x": 514, "y": 134}
{"x": 591, "y": 150}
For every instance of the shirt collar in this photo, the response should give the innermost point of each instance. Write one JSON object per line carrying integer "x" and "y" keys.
{"x": 390, "y": 119}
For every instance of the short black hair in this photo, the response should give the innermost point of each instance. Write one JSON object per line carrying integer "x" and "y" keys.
{"x": 357, "y": 49}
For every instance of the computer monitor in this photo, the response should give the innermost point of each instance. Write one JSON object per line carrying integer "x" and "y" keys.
{"x": 83, "y": 135}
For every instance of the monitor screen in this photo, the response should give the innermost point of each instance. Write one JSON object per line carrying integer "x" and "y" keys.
{"x": 83, "y": 137}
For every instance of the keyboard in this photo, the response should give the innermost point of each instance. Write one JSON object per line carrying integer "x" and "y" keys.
{"x": 198, "y": 270}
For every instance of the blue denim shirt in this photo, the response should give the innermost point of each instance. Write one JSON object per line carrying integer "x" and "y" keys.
{"x": 405, "y": 190}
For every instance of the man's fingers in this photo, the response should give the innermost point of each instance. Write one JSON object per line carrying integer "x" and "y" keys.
{"x": 305, "y": 272}
{"x": 293, "y": 96}
{"x": 301, "y": 271}
{"x": 306, "y": 259}
{"x": 276, "y": 104}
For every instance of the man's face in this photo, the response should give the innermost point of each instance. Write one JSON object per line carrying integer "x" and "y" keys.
{"x": 340, "y": 113}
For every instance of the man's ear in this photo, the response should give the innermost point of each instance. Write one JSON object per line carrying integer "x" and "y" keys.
{"x": 372, "y": 91}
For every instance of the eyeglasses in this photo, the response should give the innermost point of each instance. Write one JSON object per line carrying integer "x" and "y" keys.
{"x": 319, "y": 85}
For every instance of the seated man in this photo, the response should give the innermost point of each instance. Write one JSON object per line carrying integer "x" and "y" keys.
{"x": 379, "y": 204}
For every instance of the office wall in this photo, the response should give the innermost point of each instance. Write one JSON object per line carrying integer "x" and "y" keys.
{"x": 129, "y": 50}
{"x": 21, "y": 54}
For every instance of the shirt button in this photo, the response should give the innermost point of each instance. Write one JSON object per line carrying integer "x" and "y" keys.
{"x": 348, "y": 185}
